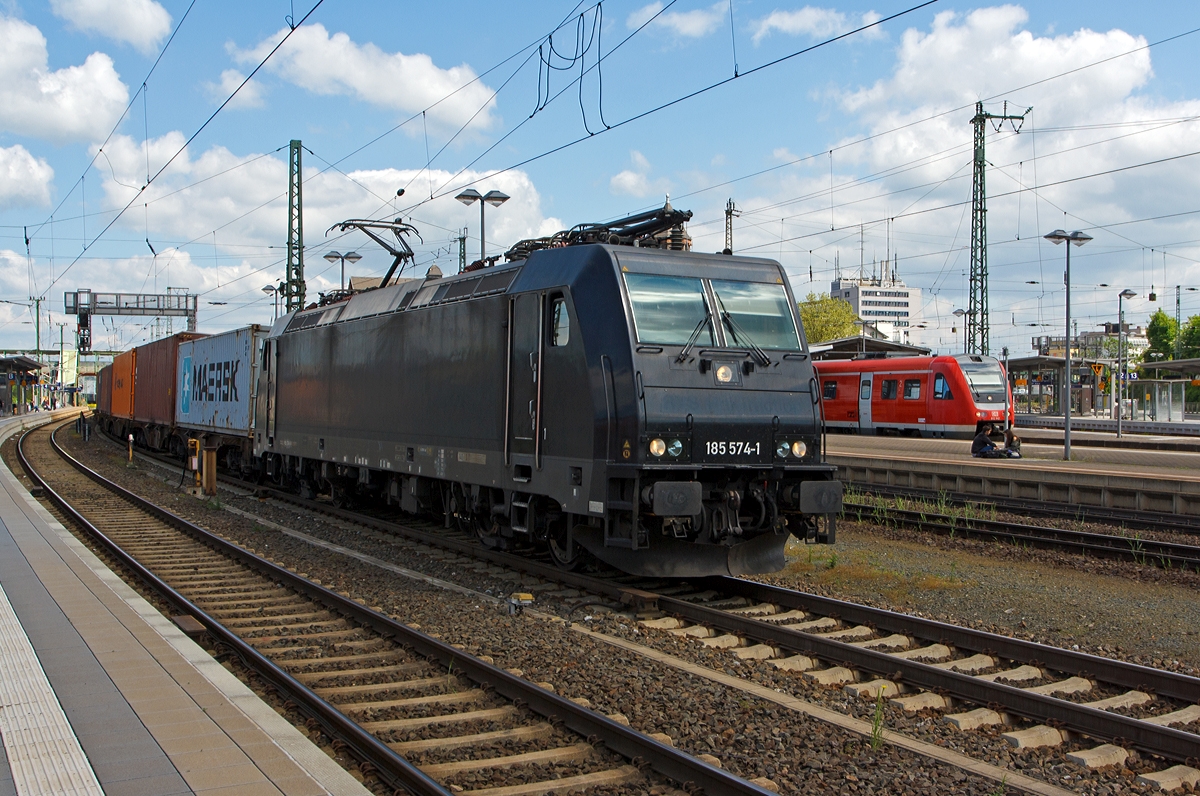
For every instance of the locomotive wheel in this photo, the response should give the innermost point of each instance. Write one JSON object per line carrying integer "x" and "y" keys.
{"x": 487, "y": 530}
{"x": 556, "y": 543}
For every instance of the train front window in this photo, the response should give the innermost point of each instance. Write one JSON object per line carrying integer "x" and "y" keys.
{"x": 984, "y": 379}
{"x": 668, "y": 309}
{"x": 760, "y": 311}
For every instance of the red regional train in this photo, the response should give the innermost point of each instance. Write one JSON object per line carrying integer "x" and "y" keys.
{"x": 942, "y": 396}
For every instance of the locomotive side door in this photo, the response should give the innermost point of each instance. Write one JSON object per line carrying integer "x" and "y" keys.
{"x": 864, "y": 404}
{"x": 524, "y": 380}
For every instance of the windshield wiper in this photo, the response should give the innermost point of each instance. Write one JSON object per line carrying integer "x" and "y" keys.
{"x": 736, "y": 331}
{"x": 706, "y": 320}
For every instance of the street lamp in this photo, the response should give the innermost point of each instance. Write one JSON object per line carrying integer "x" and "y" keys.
{"x": 494, "y": 198}
{"x": 1124, "y": 294}
{"x": 959, "y": 313}
{"x": 273, "y": 292}
{"x": 353, "y": 257}
{"x": 1078, "y": 238}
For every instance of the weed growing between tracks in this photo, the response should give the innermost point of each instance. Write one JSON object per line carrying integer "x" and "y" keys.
{"x": 838, "y": 569}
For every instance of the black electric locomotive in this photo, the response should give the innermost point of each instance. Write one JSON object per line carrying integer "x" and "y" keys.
{"x": 655, "y": 409}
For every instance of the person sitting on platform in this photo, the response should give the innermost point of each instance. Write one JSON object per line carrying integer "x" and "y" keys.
{"x": 982, "y": 446}
{"x": 1012, "y": 443}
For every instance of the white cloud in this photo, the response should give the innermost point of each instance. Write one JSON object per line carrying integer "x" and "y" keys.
{"x": 251, "y": 95}
{"x": 694, "y": 24}
{"x": 636, "y": 181}
{"x": 24, "y": 179}
{"x": 1092, "y": 120}
{"x": 70, "y": 104}
{"x": 141, "y": 23}
{"x": 334, "y": 64}
{"x": 816, "y": 23}
{"x": 228, "y": 203}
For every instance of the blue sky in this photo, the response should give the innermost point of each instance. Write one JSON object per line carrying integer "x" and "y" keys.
{"x": 892, "y": 103}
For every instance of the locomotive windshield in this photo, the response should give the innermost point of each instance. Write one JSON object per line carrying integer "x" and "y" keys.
{"x": 761, "y": 311}
{"x": 667, "y": 310}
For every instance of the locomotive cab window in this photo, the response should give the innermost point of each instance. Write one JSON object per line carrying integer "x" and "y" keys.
{"x": 668, "y": 309}
{"x": 829, "y": 391}
{"x": 560, "y": 322}
{"x": 912, "y": 389}
{"x": 888, "y": 391}
{"x": 941, "y": 388}
{"x": 756, "y": 313}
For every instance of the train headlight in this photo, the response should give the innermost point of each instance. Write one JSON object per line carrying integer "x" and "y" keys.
{"x": 658, "y": 447}
{"x": 724, "y": 374}
{"x": 799, "y": 449}
{"x": 675, "y": 447}
{"x": 781, "y": 450}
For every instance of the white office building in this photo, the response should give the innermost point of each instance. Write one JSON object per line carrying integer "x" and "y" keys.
{"x": 892, "y": 306}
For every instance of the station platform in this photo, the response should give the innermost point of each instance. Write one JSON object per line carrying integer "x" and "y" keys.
{"x": 102, "y": 694}
{"x": 1181, "y": 427}
{"x": 1109, "y": 439}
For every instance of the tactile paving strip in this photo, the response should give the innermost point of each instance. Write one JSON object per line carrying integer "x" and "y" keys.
{"x": 43, "y": 752}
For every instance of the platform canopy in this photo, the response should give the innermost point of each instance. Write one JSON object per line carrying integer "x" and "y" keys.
{"x": 1184, "y": 367}
{"x": 851, "y": 347}
{"x": 20, "y": 364}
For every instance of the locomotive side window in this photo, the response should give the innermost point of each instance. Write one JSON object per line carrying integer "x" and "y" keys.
{"x": 560, "y": 323}
{"x": 912, "y": 389}
{"x": 941, "y": 389}
{"x": 667, "y": 309}
{"x": 888, "y": 391}
{"x": 830, "y": 390}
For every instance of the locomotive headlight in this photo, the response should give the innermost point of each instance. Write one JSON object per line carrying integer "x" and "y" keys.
{"x": 658, "y": 447}
{"x": 781, "y": 450}
{"x": 675, "y": 447}
{"x": 724, "y": 374}
{"x": 799, "y": 449}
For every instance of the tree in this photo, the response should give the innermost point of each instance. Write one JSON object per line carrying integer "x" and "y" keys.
{"x": 1189, "y": 338}
{"x": 826, "y": 318}
{"x": 1161, "y": 333}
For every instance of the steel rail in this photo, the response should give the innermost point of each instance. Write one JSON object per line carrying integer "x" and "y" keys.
{"x": 1163, "y": 741}
{"x": 1142, "y": 551}
{"x": 391, "y": 767}
{"x": 1113, "y": 727}
{"x": 1147, "y": 520}
{"x": 694, "y": 774}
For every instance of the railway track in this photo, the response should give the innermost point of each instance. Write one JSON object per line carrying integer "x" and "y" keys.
{"x": 1133, "y": 548}
{"x": 1126, "y": 518}
{"x": 381, "y": 688}
{"x": 1042, "y": 695}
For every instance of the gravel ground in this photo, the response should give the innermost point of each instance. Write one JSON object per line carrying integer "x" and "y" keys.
{"x": 951, "y": 582}
{"x": 751, "y": 737}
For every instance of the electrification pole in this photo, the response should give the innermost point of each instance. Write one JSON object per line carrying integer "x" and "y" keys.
{"x": 1178, "y": 328}
{"x": 978, "y": 325}
{"x": 462, "y": 251}
{"x": 294, "y": 286}
{"x": 731, "y": 210}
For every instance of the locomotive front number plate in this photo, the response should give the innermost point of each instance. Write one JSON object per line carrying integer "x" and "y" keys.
{"x": 734, "y": 449}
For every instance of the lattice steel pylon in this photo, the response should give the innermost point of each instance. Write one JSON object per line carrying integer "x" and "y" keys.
{"x": 731, "y": 210}
{"x": 978, "y": 325}
{"x": 293, "y": 285}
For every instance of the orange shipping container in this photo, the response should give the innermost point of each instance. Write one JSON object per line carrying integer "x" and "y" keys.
{"x": 122, "y": 384}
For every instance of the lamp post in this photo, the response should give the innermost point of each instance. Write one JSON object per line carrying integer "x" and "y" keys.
{"x": 959, "y": 313}
{"x": 352, "y": 257}
{"x": 494, "y": 198}
{"x": 273, "y": 292}
{"x": 1078, "y": 238}
{"x": 1124, "y": 294}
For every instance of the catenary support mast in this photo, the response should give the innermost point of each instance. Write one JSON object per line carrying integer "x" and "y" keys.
{"x": 293, "y": 286}
{"x": 978, "y": 326}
